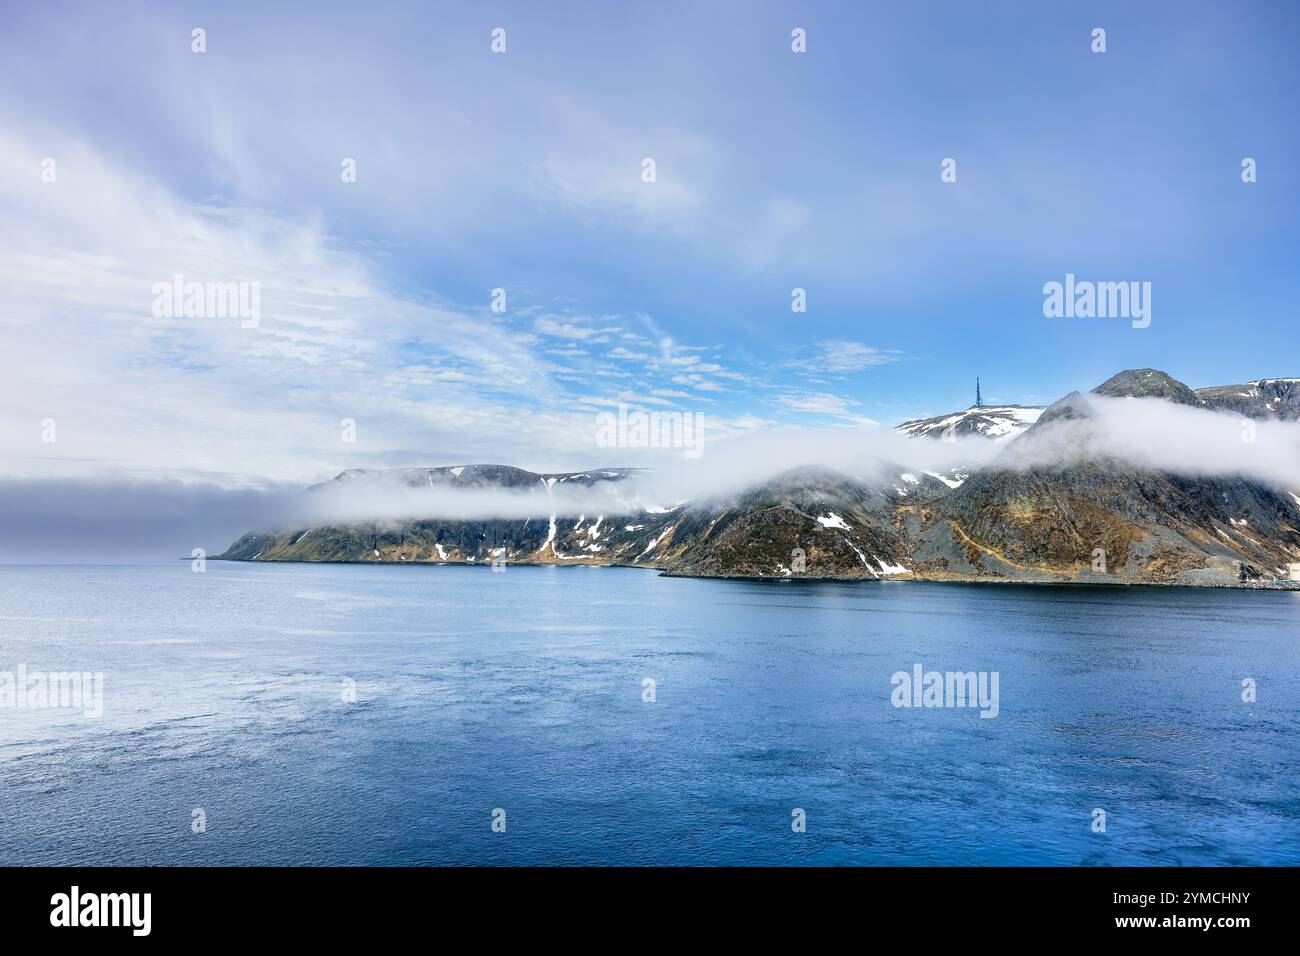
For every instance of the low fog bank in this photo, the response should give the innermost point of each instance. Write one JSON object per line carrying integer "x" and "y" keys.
{"x": 738, "y": 464}
{"x": 114, "y": 521}
{"x": 97, "y": 521}
{"x": 109, "y": 520}
{"x": 105, "y": 521}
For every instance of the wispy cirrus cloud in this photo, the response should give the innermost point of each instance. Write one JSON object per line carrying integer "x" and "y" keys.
{"x": 577, "y": 329}
{"x": 130, "y": 390}
{"x": 842, "y": 356}
{"x": 817, "y": 403}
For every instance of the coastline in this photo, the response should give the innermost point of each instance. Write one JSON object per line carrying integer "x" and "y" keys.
{"x": 812, "y": 578}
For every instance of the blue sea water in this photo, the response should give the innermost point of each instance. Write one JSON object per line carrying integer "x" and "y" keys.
{"x": 523, "y": 691}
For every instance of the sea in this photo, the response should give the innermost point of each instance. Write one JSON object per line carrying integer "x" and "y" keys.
{"x": 357, "y": 714}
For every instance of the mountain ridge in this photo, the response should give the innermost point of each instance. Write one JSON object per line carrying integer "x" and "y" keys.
{"x": 1093, "y": 521}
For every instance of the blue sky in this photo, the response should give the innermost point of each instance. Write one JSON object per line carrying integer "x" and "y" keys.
{"x": 522, "y": 171}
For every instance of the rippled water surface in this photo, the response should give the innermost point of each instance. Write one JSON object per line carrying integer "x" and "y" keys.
{"x": 523, "y": 691}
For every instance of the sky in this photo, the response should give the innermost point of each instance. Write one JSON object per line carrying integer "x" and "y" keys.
{"x": 523, "y": 171}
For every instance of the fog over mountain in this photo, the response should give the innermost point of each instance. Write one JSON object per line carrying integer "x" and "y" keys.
{"x": 1157, "y": 434}
{"x": 1143, "y": 419}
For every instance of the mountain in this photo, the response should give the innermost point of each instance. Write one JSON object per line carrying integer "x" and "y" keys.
{"x": 1150, "y": 527}
{"x": 1267, "y": 398}
{"x": 546, "y": 537}
{"x": 1097, "y": 520}
{"x": 1045, "y": 523}
{"x": 998, "y": 422}
{"x": 1147, "y": 383}
{"x": 841, "y": 524}
{"x": 835, "y": 525}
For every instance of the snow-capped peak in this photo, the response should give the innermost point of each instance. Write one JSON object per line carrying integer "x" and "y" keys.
{"x": 998, "y": 422}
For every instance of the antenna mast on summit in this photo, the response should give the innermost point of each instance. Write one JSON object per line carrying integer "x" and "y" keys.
{"x": 979, "y": 402}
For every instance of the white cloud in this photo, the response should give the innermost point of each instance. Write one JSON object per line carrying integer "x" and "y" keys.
{"x": 626, "y": 355}
{"x": 839, "y": 356}
{"x": 816, "y": 403}
{"x": 576, "y": 329}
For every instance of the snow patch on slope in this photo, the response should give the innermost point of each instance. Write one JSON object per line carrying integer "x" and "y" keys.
{"x": 653, "y": 544}
{"x": 950, "y": 482}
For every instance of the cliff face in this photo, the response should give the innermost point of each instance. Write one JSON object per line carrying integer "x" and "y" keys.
{"x": 1099, "y": 520}
{"x": 1107, "y": 521}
